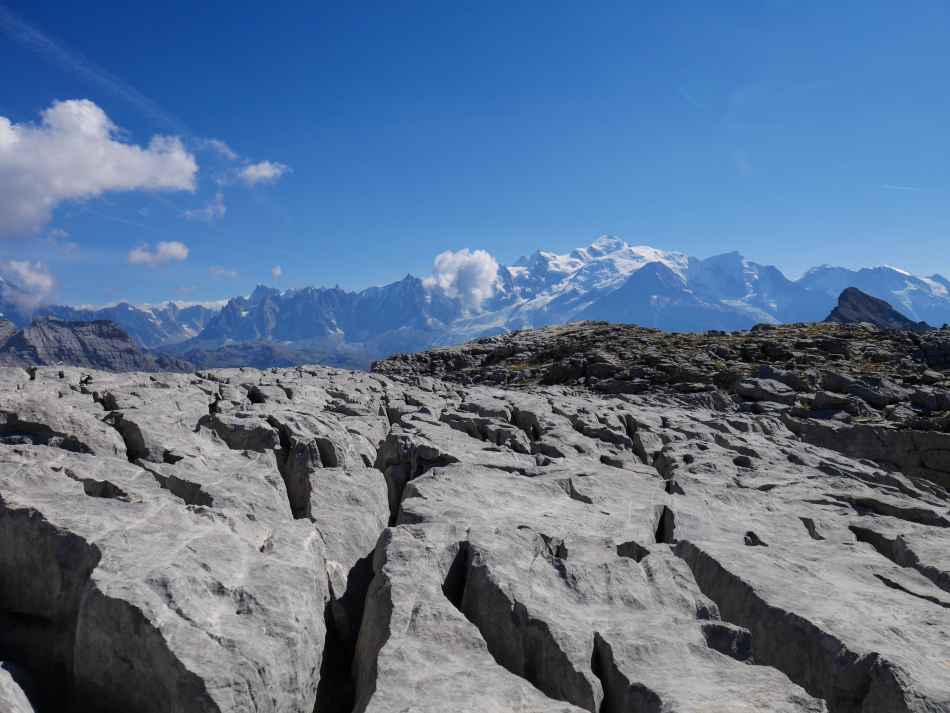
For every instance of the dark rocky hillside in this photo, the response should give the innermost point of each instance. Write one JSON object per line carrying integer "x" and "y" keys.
{"x": 855, "y": 307}
{"x": 101, "y": 344}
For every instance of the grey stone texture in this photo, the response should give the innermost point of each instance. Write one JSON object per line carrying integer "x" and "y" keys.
{"x": 310, "y": 539}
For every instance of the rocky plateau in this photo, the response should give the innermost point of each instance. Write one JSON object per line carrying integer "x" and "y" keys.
{"x": 585, "y": 517}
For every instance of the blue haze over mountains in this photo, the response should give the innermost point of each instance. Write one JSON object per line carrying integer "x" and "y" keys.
{"x": 608, "y": 280}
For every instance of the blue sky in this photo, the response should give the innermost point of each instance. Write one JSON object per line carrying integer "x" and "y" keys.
{"x": 379, "y": 135}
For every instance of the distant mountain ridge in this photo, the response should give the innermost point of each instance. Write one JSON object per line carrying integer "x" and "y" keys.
{"x": 101, "y": 344}
{"x": 607, "y": 280}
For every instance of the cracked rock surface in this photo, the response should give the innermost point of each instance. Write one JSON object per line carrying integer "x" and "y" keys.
{"x": 310, "y": 539}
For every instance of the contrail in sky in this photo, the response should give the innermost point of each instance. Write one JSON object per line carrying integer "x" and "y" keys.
{"x": 130, "y": 222}
{"x": 79, "y": 66}
{"x": 692, "y": 101}
{"x": 905, "y": 188}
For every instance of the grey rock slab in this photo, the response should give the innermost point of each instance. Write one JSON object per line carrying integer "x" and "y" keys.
{"x": 157, "y": 605}
{"x": 12, "y": 697}
{"x": 853, "y": 665}
{"x": 12, "y": 376}
{"x": 59, "y": 423}
{"x": 925, "y": 549}
{"x": 248, "y": 486}
{"x": 414, "y": 448}
{"x": 350, "y": 509}
{"x": 925, "y": 453}
{"x": 764, "y": 390}
{"x": 416, "y": 650}
{"x": 564, "y": 594}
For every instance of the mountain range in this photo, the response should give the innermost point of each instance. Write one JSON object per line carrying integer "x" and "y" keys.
{"x": 607, "y": 280}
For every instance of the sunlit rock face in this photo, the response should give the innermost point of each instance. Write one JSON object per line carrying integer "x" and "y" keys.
{"x": 562, "y": 520}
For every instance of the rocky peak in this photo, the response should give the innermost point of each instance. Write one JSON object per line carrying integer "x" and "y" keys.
{"x": 262, "y": 291}
{"x": 855, "y": 307}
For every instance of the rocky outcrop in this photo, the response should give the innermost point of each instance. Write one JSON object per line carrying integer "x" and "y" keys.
{"x": 855, "y": 307}
{"x": 101, "y": 344}
{"x": 309, "y": 539}
{"x": 869, "y": 393}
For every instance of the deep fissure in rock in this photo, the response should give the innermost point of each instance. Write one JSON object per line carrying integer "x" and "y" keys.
{"x": 620, "y": 694}
{"x": 44, "y": 651}
{"x": 900, "y": 588}
{"x": 633, "y": 550}
{"x": 336, "y": 691}
{"x": 453, "y": 587}
{"x": 526, "y": 641}
{"x": 812, "y": 529}
{"x": 665, "y": 526}
{"x": 897, "y": 552}
{"x": 920, "y": 516}
{"x": 809, "y": 656}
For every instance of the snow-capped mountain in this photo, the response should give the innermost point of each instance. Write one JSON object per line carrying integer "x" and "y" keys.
{"x": 924, "y": 299}
{"x": 404, "y": 315}
{"x": 607, "y": 280}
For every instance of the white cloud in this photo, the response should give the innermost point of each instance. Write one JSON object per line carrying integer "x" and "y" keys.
{"x": 263, "y": 172}
{"x": 163, "y": 254}
{"x": 220, "y": 272}
{"x": 218, "y": 146}
{"x": 35, "y": 281}
{"x": 55, "y": 236}
{"x": 74, "y": 154}
{"x": 471, "y": 277}
{"x": 183, "y": 290}
{"x": 211, "y": 211}
{"x": 276, "y": 272}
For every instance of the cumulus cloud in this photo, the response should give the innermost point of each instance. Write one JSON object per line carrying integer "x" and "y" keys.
{"x": 263, "y": 172}
{"x": 164, "y": 253}
{"x": 212, "y": 210}
{"x": 75, "y": 154}
{"x": 471, "y": 277}
{"x": 276, "y": 272}
{"x": 224, "y": 273}
{"x": 33, "y": 286}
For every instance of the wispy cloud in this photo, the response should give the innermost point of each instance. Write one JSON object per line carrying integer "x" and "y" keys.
{"x": 218, "y": 146}
{"x": 221, "y": 273}
{"x": 55, "y": 238}
{"x": 212, "y": 210}
{"x": 35, "y": 282}
{"x": 905, "y": 188}
{"x": 60, "y": 55}
{"x": 276, "y": 272}
{"x": 184, "y": 290}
